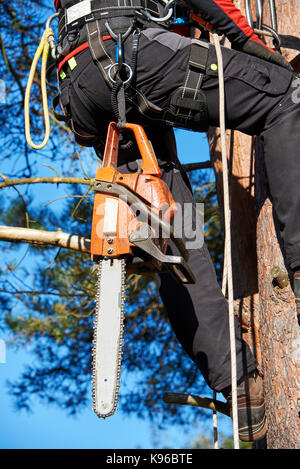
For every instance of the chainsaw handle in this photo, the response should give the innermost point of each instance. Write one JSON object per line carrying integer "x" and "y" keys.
{"x": 110, "y": 157}
{"x": 149, "y": 165}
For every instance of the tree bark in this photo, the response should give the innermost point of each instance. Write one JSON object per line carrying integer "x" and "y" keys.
{"x": 264, "y": 298}
{"x": 279, "y": 330}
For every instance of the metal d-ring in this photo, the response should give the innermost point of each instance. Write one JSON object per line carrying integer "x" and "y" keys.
{"x": 117, "y": 65}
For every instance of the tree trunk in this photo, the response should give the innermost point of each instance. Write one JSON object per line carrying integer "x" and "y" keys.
{"x": 258, "y": 266}
{"x": 279, "y": 330}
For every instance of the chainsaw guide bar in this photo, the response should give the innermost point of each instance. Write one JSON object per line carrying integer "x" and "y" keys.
{"x": 108, "y": 336}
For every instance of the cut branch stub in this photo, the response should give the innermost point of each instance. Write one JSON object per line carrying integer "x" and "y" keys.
{"x": 280, "y": 277}
{"x": 197, "y": 401}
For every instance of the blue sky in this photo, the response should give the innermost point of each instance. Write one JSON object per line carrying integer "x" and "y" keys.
{"x": 49, "y": 427}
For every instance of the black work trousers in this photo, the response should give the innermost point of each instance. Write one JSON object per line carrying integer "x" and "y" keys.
{"x": 260, "y": 100}
{"x": 198, "y": 312}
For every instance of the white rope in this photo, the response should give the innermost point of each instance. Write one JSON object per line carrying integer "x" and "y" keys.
{"x": 215, "y": 424}
{"x": 227, "y": 256}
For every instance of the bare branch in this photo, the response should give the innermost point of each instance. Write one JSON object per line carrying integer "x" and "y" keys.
{"x": 198, "y": 401}
{"x": 77, "y": 180}
{"x": 39, "y": 293}
{"x": 45, "y": 180}
{"x": 10, "y": 67}
{"x": 52, "y": 238}
{"x": 195, "y": 166}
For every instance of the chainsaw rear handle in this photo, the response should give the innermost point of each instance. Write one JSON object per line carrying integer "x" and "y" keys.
{"x": 110, "y": 157}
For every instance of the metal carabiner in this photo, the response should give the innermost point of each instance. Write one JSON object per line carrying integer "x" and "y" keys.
{"x": 259, "y": 13}
{"x": 50, "y": 19}
{"x": 51, "y": 38}
{"x": 249, "y": 12}
{"x": 119, "y": 53}
{"x": 168, "y": 12}
{"x": 114, "y": 35}
{"x": 276, "y": 37}
{"x": 273, "y": 15}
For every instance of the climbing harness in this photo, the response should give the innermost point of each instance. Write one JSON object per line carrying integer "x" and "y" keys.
{"x": 72, "y": 18}
{"x": 46, "y": 44}
{"x": 187, "y": 106}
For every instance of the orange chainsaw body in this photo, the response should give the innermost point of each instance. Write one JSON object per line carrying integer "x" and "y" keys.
{"x": 113, "y": 218}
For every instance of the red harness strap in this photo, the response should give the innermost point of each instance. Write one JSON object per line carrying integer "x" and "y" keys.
{"x": 72, "y": 54}
{"x": 76, "y": 51}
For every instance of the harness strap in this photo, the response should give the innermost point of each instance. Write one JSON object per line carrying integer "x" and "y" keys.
{"x": 189, "y": 96}
{"x": 72, "y": 54}
{"x": 97, "y": 48}
{"x": 187, "y": 107}
{"x": 290, "y": 42}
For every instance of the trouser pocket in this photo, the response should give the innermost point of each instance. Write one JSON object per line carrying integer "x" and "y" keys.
{"x": 270, "y": 78}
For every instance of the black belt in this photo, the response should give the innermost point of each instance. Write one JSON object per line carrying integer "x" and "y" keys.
{"x": 106, "y": 9}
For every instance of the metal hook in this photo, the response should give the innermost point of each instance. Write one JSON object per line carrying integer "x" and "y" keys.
{"x": 51, "y": 38}
{"x": 273, "y": 15}
{"x": 259, "y": 13}
{"x": 116, "y": 36}
{"x": 249, "y": 12}
{"x": 168, "y": 12}
{"x": 50, "y": 19}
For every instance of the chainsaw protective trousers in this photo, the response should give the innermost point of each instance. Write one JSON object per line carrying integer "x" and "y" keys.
{"x": 198, "y": 313}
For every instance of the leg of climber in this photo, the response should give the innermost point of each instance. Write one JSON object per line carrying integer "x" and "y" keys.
{"x": 199, "y": 317}
{"x": 256, "y": 95}
{"x": 199, "y": 313}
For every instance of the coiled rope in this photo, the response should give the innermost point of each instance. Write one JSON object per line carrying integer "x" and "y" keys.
{"x": 42, "y": 50}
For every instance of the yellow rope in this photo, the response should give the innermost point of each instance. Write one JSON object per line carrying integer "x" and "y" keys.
{"x": 42, "y": 50}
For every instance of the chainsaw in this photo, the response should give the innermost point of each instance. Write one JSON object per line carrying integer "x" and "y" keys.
{"x": 132, "y": 224}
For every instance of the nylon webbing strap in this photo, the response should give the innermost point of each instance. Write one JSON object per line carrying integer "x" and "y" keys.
{"x": 198, "y": 54}
{"x": 194, "y": 76}
{"x": 188, "y": 101}
{"x": 290, "y": 42}
{"x": 97, "y": 49}
{"x": 105, "y": 9}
